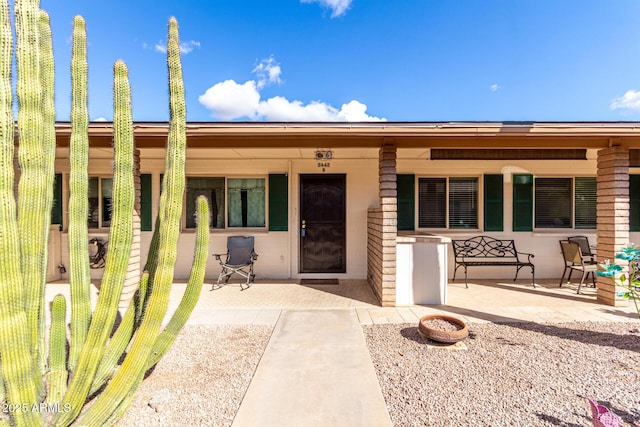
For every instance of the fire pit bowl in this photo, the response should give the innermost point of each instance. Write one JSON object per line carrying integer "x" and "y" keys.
{"x": 442, "y": 328}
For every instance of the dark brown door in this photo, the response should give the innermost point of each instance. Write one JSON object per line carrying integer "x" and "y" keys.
{"x": 322, "y": 223}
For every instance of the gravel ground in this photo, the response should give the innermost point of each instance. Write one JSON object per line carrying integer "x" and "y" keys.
{"x": 201, "y": 380}
{"x": 522, "y": 374}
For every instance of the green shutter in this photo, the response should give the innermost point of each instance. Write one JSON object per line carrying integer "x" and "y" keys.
{"x": 56, "y": 210}
{"x": 278, "y": 202}
{"x": 493, "y": 203}
{"x": 145, "y": 202}
{"x": 634, "y": 202}
{"x": 522, "y": 202}
{"x": 406, "y": 201}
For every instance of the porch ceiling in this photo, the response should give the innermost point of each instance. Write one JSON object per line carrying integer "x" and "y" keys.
{"x": 360, "y": 135}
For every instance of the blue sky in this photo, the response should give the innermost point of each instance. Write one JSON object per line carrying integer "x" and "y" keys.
{"x": 357, "y": 60}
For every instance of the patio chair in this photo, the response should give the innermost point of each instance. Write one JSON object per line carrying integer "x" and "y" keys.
{"x": 585, "y": 247}
{"x": 239, "y": 259}
{"x": 573, "y": 260}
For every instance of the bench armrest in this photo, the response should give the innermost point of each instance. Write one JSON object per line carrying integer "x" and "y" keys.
{"x": 529, "y": 256}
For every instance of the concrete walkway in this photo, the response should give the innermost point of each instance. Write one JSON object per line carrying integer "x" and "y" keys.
{"x": 316, "y": 371}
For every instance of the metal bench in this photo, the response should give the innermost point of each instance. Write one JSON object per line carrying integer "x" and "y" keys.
{"x": 487, "y": 251}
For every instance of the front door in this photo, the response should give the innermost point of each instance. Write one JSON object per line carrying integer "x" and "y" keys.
{"x": 323, "y": 223}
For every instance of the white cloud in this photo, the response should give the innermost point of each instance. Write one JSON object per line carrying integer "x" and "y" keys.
{"x": 100, "y": 119}
{"x": 230, "y": 100}
{"x": 338, "y": 7}
{"x": 185, "y": 47}
{"x": 629, "y": 101}
{"x": 494, "y": 87}
{"x": 268, "y": 72}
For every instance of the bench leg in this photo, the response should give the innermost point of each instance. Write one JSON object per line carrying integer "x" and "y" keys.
{"x": 533, "y": 277}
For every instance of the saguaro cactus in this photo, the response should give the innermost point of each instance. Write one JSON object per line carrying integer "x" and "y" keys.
{"x": 30, "y": 375}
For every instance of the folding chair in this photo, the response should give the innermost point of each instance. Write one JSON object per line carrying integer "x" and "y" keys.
{"x": 238, "y": 259}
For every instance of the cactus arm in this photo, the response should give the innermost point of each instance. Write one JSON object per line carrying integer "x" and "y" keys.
{"x": 192, "y": 291}
{"x": 132, "y": 369}
{"x": 79, "y": 278}
{"x": 120, "y": 240}
{"x": 120, "y": 339}
{"x": 17, "y": 361}
{"x": 6, "y": 133}
{"x": 57, "y": 375}
{"x": 33, "y": 218}
{"x": 49, "y": 146}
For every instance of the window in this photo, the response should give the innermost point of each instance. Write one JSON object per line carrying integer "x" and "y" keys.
{"x": 100, "y": 202}
{"x": 553, "y": 207}
{"x": 448, "y": 202}
{"x": 585, "y": 203}
{"x": 245, "y": 201}
{"x": 565, "y": 203}
{"x": 213, "y": 190}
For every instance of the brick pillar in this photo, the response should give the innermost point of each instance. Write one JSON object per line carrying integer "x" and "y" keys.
{"x": 388, "y": 196}
{"x": 132, "y": 281}
{"x": 613, "y": 214}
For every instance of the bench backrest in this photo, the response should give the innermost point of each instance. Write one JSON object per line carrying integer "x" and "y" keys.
{"x": 484, "y": 247}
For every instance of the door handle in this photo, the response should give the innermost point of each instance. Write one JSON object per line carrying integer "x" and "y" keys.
{"x": 303, "y": 228}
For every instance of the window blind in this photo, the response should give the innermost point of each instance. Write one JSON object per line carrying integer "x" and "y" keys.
{"x": 463, "y": 203}
{"x": 553, "y": 202}
{"x": 585, "y": 202}
{"x": 432, "y": 202}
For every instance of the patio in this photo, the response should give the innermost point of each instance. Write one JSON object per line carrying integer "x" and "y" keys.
{"x": 484, "y": 301}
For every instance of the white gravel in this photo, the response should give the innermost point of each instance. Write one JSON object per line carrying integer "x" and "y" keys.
{"x": 521, "y": 374}
{"x": 201, "y": 380}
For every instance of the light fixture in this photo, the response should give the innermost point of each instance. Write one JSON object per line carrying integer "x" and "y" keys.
{"x": 323, "y": 158}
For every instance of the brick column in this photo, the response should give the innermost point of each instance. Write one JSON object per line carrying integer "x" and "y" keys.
{"x": 132, "y": 280}
{"x": 383, "y": 230}
{"x": 613, "y": 214}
